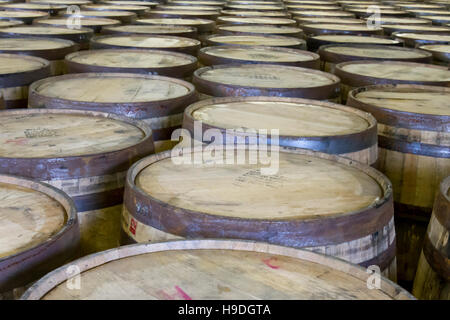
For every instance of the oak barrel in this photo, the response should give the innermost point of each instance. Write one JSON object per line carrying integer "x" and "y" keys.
{"x": 149, "y": 4}
{"x": 292, "y": 200}
{"x": 51, "y": 49}
{"x": 84, "y": 153}
{"x": 203, "y": 26}
{"x": 256, "y": 40}
{"x": 253, "y": 13}
{"x": 256, "y": 20}
{"x": 123, "y": 16}
{"x": 260, "y": 29}
{"x": 139, "y": 10}
{"x": 39, "y": 232}
{"x": 309, "y": 124}
{"x": 156, "y": 62}
{"x": 333, "y": 54}
{"x": 26, "y": 17}
{"x": 308, "y": 20}
{"x": 17, "y": 72}
{"x": 136, "y": 41}
{"x": 414, "y": 144}
{"x": 329, "y": 28}
{"x": 408, "y": 21}
{"x": 314, "y": 42}
{"x": 438, "y": 20}
{"x": 362, "y": 73}
{"x": 5, "y": 23}
{"x": 258, "y": 54}
{"x": 151, "y": 30}
{"x": 432, "y": 279}
{"x": 440, "y": 52}
{"x": 412, "y": 39}
{"x": 203, "y": 14}
{"x": 158, "y": 101}
{"x": 265, "y": 80}
{"x": 52, "y": 9}
{"x": 96, "y": 24}
{"x": 185, "y": 270}
{"x": 422, "y": 29}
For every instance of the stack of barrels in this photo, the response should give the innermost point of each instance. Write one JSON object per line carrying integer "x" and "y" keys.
{"x": 300, "y": 145}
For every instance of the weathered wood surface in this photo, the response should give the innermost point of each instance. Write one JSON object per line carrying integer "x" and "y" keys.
{"x": 186, "y": 270}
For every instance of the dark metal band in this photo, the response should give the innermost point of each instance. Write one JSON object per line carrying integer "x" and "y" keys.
{"x": 413, "y": 147}
{"x": 438, "y": 260}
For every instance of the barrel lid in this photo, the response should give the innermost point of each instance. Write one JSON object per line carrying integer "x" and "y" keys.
{"x": 324, "y": 7}
{"x": 254, "y": 7}
{"x": 18, "y": 14}
{"x": 150, "y": 29}
{"x": 207, "y": 14}
{"x": 439, "y": 51}
{"x": 192, "y": 7}
{"x": 200, "y": 2}
{"x": 258, "y": 29}
{"x": 429, "y": 12}
{"x": 48, "y": 48}
{"x": 252, "y": 13}
{"x": 422, "y": 36}
{"x": 438, "y": 19}
{"x": 83, "y": 21}
{"x": 101, "y": 13}
{"x": 256, "y": 40}
{"x": 323, "y": 13}
{"x": 44, "y": 30}
{"x": 383, "y": 12}
{"x": 419, "y": 5}
{"x": 112, "y": 7}
{"x": 336, "y": 53}
{"x": 131, "y": 3}
{"x": 404, "y": 20}
{"x": 17, "y": 69}
{"x": 248, "y": 270}
{"x": 415, "y": 28}
{"x": 320, "y": 28}
{"x": 202, "y": 25}
{"x": 33, "y": 6}
{"x": 144, "y": 41}
{"x": 255, "y": 20}
{"x": 309, "y": 20}
{"x": 360, "y": 73}
{"x": 348, "y": 38}
{"x": 10, "y": 23}
{"x": 64, "y": 2}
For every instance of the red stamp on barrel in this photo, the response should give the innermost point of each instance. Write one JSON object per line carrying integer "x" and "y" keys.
{"x": 133, "y": 226}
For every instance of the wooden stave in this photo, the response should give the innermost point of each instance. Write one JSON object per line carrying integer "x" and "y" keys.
{"x": 20, "y": 269}
{"x": 180, "y": 72}
{"x": 314, "y": 44}
{"x": 338, "y": 144}
{"x": 217, "y": 89}
{"x": 191, "y": 50}
{"x": 29, "y": 19}
{"x": 96, "y": 28}
{"x": 297, "y": 34}
{"x": 124, "y": 17}
{"x": 179, "y": 222}
{"x": 201, "y": 28}
{"x": 22, "y": 80}
{"x": 192, "y": 33}
{"x": 48, "y": 282}
{"x": 433, "y": 273}
{"x": 134, "y": 110}
{"x": 301, "y": 45}
{"x": 208, "y": 60}
{"x": 82, "y": 39}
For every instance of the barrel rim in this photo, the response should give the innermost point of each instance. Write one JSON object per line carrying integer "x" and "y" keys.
{"x": 317, "y": 14}
{"x": 216, "y": 88}
{"x": 334, "y": 57}
{"x": 105, "y": 7}
{"x": 315, "y": 231}
{"x": 207, "y": 59}
{"x": 46, "y": 284}
{"x": 335, "y": 144}
{"x": 69, "y": 229}
{"x": 438, "y": 55}
{"x": 358, "y": 80}
{"x": 15, "y": 79}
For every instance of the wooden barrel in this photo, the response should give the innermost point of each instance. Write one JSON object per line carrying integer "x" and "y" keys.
{"x": 26, "y": 16}
{"x": 307, "y": 7}
{"x": 308, "y": 124}
{"x": 362, "y": 73}
{"x": 405, "y": 20}
{"x": 438, "y": 20}
{"x": 309, "y": 20}
{"x": 324, "y": 14}
{"x": 204, "y": 14}
{"x": 203, "y": 26}
{"x": 418, "y": 6}
{"x": 182, "y": 270}
{"x": 421, "y": 13}
{"x": 333, "y": 54}
{"x": 254, "y": 7}
{"x": 299, "y": 204}
{"x": 256, "y": 20}
{"x": 195, "y": 7}
{"x": 314, "y": 42}
{"x": 17, "y": 72}
{"x": 198, "y": 2}
{"x": 265, "y": 80}
{"x": 65, "y": 2}
{"x": 256, "y": 40}
{"x": 80, "y": 36}
{"x": 156, "y": 62}
{"x": 52, "y": 9}
{"x": 139, "y": 10}
{"x": 150, "y": 30}
{"x": 440, "y": 52}
{"x": 260, "y": 29}
{"x": 158, "y": 101}
{"x": 86, "y": 154}
{"x": 148, "y": 4}
{"x": 258, "y": 54}
{"x": 51, "y": 49}
{"x": 123, "y": 16}
{"x": 39, "y": 232}
{"x": 364, "y": 13}
{"x": 96, "y": 24}
{"x": 422, "y": 29}
{"x": 328, "y": 28}
{"x": 6, "y": 23}
{"x": 253, "y": 13}
{"x": 413, "y": 129}
{"x": 432, "y": 279}
{"x": 137, "y": 41}
{"x": 413, "y": 40}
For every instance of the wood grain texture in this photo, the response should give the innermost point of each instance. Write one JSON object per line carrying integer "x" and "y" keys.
{"x": 260, "y": 271}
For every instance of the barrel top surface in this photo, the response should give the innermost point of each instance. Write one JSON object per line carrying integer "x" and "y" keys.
{"x": 309, "y": 20}
{"x": 27, "y": 218}
{"x": 253, "y": 7}
{"x": 34, "y": 6}
{"x": 30, "y": 44}
{"x": 396, "y": 71}
{"x": 405, "y": 20}
{"x": 376, "y": 51}
{"x": 192, "y": 8}
{"x": 113, "y": 7}
{"x": 266, "y": 76}
{"x": 22, "y": 14}
{"x": 423, "y": 36}
{"x": 194, "y": 13}
{"x": 43, "y": 30}
{"x": 267, "y": 54}
{"x": 417, "y": 27}
{"x": 428, "y": 12}
{"x": 260, "y": 29}
{"x": 131, "y": 2}
{"x": 256, "y": 40}
{"x": 48, "y": 135}
{"x": 142, "y": 41}
{"x": 249, "y": 13}
{"x": 290, "y": 118}
{"x": 436, "y": 17}
{"x": 324, "y": 13}
{"x": 104, "y": 13}
{"x": 14, "y": 63}
{"x": 111, "y": 88}
{"x": 412, "y": 99}
{"x": 213, "y": 269}
{"x": 9, "y": 23}
{"x": 305, "y": 187}
{"x": 84, "y": 21}
{"x": 339, "y": 27}
{"x": 130, "y": 58}
{"x": 156, "y": 29}
{"x": 444, "y": 48}
{"x": 67, "y": 2}
{"x": 175, "y": 21}
{"x": 354, "y": 39}
{"x": 257, "y": 20}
